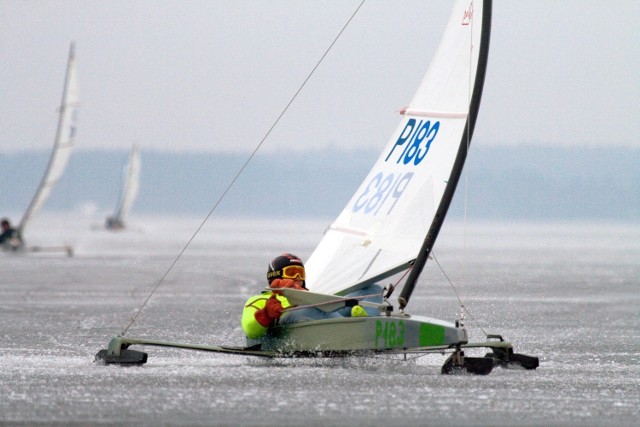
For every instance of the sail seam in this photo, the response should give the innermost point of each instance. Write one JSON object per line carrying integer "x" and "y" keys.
{"x": 370, "y": 264}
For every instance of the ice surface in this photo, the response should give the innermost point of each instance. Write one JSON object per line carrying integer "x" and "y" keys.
{"x": 568, "y": 293}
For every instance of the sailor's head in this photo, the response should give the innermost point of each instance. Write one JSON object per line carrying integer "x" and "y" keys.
{"x": 5, "y": 224}
{"x": 287, "y": 266}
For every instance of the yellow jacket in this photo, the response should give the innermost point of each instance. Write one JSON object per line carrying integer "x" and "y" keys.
{"x": 250, "y": 325}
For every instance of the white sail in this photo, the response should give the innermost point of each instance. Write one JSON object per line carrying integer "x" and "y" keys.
{"x": 382, "y": 228}
{"x": 62, "y": 146}
{"x": 129, "y": 191}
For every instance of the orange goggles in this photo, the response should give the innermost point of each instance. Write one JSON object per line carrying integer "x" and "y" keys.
{"x": 293, "y": 272}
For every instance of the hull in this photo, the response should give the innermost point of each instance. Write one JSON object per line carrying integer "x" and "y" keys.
{"x": 350, "y": 336}
{"x": 371, "y": 333}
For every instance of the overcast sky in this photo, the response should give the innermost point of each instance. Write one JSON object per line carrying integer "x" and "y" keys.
{"x": 214, "y": 75}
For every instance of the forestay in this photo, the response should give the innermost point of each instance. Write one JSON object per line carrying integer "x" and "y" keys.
{"x": 381, "y": 230}
{"x": 62, "y": 145}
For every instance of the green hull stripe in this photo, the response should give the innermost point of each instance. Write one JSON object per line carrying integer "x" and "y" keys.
{"x": 431, "y": 334}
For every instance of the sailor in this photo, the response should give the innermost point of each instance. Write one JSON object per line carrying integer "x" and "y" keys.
{"x": 268, "y": 308}
{"x": 9, "y": 238}
{"x": 112, "y": 223}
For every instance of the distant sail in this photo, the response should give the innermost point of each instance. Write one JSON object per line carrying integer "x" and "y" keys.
{"x": 62, "y": 146}
{"x": 382, "y": 229}
{"x": 129, "y": 191}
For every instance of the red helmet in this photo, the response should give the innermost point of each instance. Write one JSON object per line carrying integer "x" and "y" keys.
{"x": 286, "y": 266}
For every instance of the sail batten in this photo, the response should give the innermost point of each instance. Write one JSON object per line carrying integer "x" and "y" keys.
{"x": 436, "y": 114}
{"x": 408, "y": 190}
{"x": 346, "y": 230}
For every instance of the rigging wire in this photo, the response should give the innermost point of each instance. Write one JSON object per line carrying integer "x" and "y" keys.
{"x": 455, "y": 291}
{"x": 241, "y": 170}
{"x": 470, "y": 87}
{"x": 466, "y": 189}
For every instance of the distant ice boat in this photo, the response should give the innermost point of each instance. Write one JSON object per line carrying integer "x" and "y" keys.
{"x": 128, "y": 192}
{"x": 62, "y": 147}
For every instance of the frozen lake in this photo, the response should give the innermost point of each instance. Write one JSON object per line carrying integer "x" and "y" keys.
{"x": 566, "y": 292}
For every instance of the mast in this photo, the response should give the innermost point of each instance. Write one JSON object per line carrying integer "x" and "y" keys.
{"x": 436, "y": 224}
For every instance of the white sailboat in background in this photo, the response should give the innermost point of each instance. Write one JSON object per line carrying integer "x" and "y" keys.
{"x": 390, "y": 226}
{"x": 62, "y": 148}
{"x": 128, "y": 192}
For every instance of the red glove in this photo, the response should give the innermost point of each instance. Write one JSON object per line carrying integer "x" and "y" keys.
{"x": 286, "y": 283}
{"x": 271, "y": 311}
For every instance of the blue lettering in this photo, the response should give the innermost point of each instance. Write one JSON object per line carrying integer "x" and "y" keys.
{"x": 399, "y": 188}
{"x": 430, "y": 135}
{"x": 377, "y": 197}
{"x": 404, "y": 136}
{"x": 379, "y": 190}
{"x": 416, "y": 140}
{"x": 374, "y": 182}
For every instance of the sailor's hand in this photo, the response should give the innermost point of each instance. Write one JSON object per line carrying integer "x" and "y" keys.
{"x": 271, "y": 311}
{"x": 286, "y": 283}
{"x": 273, "y": 307}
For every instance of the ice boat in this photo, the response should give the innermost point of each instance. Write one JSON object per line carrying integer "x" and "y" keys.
{"x": 62, "y": 148}
{"x": 128, "y": 192}
{"x": 390, "y": 226}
